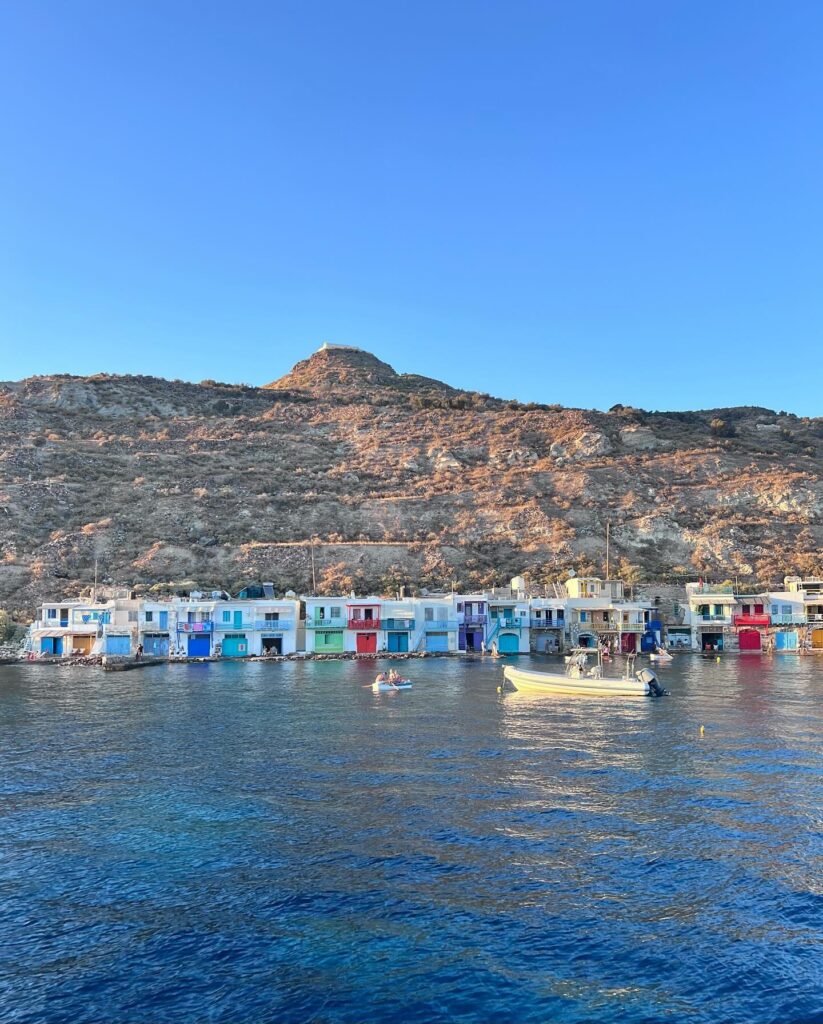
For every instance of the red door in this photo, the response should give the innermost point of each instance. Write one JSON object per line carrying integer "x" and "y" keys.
{"x": 367, "y": 643}
{"x": 628, "y": 643}
{"x": 749, "y": 640}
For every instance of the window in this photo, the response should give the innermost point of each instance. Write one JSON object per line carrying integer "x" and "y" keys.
{"x": 582, "y": 616}
{"x": 226, "y": 616}
{"x": 335, "y": 612}
{"x": 149, "y": 616}
{"x": 775, "y": 609}
{"x": 133, "y": 615}
{"x": 275, "y": 616}
{"x": 51, "y": 613}
{"x": 605, "y": 616}
{"x": 428, "y": 614}
{"x": 787, "y": 609}
{"x": 460, "y": 606}
{"x": 718, "y": 610}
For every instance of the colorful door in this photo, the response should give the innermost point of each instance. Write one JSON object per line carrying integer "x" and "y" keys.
{"x": 199, "y": 647}
{"x": 164, "y": 623}
{"x": 648, "y": 642}
{"x": 437, "y": 642}
{"x": 628, "y": 643}
{"x": 118, "y": 645}
{"x": 238, "y": 619}
{"x": 82, "y": 644}
{"x": 786, "y": 640}
{"x": 508, "y": 643}
{"x": 235, "y": 646}
{"x": 51, "y": 645}
{"x": 156, "y": 646}
{"x": 749, "y": 640}
{"x": 817, "y": 638}
{"x": 331, "y": 642}
{"x": 398, "y": 643}
{"x": 366, "y": 643}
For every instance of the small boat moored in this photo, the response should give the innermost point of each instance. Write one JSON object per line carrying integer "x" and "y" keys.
{"x": 579, "y": 678}
{"x": 661, "y": 655}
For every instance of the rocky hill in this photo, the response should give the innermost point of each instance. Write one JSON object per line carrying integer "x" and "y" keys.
{"x": 396, "y": 477}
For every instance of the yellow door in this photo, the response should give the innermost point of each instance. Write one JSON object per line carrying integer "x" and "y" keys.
{"x": 817, "y": 638}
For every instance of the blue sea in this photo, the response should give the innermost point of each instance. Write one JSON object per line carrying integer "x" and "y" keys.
{"x": 274, "y": 842}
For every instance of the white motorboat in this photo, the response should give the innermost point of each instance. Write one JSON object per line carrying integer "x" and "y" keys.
{"x": 661, "y": 655}
{"x": 580, "y": 678}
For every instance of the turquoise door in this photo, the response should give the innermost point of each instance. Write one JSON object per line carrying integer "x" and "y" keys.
{"x": 437, "y": 641}
{"x": 235, "y": 647}
{"x": 238, "y": 619}
{"x": 118, "y": 645}
{"x": 508, "y": 643}
{"x": 398, "y": 642}
{"x": 199, "y": 646}
{"x": 786, "y": 641}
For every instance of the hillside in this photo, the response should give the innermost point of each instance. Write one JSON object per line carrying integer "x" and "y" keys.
{"x": 398, "y": 477}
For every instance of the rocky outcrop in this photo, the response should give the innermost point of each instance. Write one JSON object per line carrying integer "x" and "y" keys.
{"x": 382, "y": 478}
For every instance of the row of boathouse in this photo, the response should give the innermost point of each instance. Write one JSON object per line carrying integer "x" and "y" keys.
{"x": 583, "y": 612}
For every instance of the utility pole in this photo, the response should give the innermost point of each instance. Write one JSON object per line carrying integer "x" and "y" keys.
{"x": 313, "y": 575}
{"x": 94, "y": 593}
{"x": 608, "y": 539}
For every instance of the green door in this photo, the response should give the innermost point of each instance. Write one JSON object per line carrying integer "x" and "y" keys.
{"x": 235, "y": 645}
{"x": 508, "y": 643}
{"x": 331, "y": 642}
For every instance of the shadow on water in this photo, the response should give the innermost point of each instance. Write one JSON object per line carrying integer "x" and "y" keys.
{"x": 242, "y": 842}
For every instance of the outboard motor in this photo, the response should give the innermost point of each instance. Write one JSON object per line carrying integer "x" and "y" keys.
{"x": 645, "y": 675}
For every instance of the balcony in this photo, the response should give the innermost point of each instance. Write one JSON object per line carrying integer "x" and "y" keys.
{"x": 197, "y": 627}
{"x": 275, "y": 625}
{"x": 710, "y": 588}
{"x": 402, "y": 624}
{"x": 337, "y": 623}
{"x": 477, "y": 619}
{"x": 789, "y": 619}
{"x": 714, "y": 618}
{"x": 440, "y": 625}
{"x": 363, "y": 624}
{"x": 511, "y": 622}
{"x": 543, "y": 623}
{"x": 760, "y": 619}
{"x": 612, "y": 626}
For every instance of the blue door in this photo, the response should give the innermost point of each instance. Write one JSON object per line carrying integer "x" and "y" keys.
{"x": 156, "y": 646}
{"x": 118, "y": 645}
{"x": 648, "y": 642}
{"x": 398, "y": 642}
{"x": 786, "y": 640}
{"x": 164, "y": 621}
{"x": 437, "y": 641}
{"x": 508, "y": 643}
{"x": 52, "y": 645}
{"x": 235, "y": 647}
{"x": 199, "y": 646}
{"x": 238, "y": 619}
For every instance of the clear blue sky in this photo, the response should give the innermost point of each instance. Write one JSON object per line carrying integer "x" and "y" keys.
{"x": 586, "y": 202}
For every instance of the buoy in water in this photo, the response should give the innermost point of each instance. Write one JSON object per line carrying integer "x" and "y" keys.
{"x": 702, "y": 730}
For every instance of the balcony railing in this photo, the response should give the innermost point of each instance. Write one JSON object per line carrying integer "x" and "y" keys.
{"x": 364, "y": 624}
{"x": 714, "y": 618}
{"x": 510, "y": 622}
{"x": 477, "y": 619}
{"x": 230, "y": 627}
{"x": 440, "y": 625}
{"x": 613, "y": 626}
{"x": 274, "y": 625}
{"x": 325, "y": 624}
{"x": 401, "y": 624}
{"x": 711, "y": 588}
{"x": 760, "y": 619}
{"x": 542, "y": 623}
{"x": 789, "y": 619}
{"x": 196, "y": 627}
